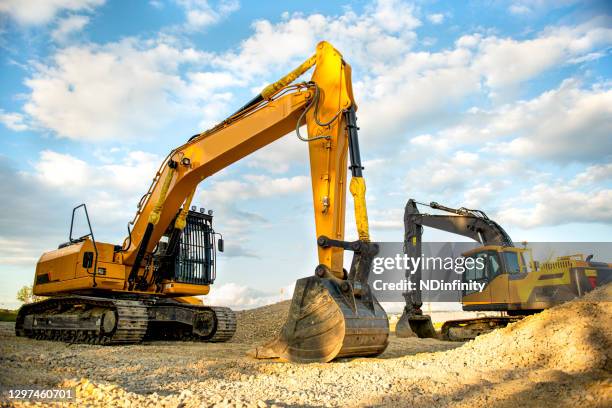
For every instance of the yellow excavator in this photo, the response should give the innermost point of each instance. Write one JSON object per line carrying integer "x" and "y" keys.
{"x": 513, "y": 283}
{"x": 145, "y": 288}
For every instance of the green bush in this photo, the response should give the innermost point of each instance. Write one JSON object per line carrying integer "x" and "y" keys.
{"x": 7, "y": 315}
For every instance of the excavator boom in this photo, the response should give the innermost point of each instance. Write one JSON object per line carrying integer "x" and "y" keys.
{"x": 320, "y": 103}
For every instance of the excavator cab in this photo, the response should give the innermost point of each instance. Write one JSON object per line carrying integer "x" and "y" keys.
{"x": 187, "y": 255}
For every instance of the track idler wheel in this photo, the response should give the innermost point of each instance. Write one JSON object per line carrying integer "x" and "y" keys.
{"x": 328, "y": 320}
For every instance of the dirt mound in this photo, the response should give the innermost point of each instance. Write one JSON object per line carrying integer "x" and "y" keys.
{"x": 261, "y": 324}
{"x": 574, "y": 337}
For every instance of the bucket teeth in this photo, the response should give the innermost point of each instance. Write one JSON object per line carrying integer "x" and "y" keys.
{"x": 327, "y": 321}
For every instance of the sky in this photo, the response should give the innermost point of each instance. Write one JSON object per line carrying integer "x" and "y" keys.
{"x": 505, "y": 106}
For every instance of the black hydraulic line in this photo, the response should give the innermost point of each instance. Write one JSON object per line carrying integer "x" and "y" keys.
{"x": 480, "y": 227}
{"x": 355, "y": 156}
{"x": 437, "y": 206}
{"x": 142, "y": 249}
{"x": 250, "y": 103}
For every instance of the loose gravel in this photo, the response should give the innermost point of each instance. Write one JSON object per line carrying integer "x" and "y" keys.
{"x": 560, "y": 357}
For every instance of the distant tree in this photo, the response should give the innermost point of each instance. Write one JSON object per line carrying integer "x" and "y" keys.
{"x": 26, "y": 295}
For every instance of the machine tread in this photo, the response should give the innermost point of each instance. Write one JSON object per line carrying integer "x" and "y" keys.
{"x": 130, "y": 326}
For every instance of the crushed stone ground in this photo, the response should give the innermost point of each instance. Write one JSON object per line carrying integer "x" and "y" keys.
{"x": 560, "y": 357}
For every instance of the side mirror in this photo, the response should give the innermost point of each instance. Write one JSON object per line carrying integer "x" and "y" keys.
{"x": 220, "y": 244}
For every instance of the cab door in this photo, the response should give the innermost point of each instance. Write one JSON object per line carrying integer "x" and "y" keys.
{"x": 498, "y": 280}
{"x": 473, "y": 297}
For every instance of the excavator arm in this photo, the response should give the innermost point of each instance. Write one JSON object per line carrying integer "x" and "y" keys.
{"x": 333, "y": 313}
{"x": 474, "y": 224}
{"x": 325, "y": 104}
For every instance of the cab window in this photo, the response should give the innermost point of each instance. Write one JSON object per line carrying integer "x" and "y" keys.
{"x": 475, "y": 273}
{"x": 512, "y": 262}
{"x": 493, "y": 264}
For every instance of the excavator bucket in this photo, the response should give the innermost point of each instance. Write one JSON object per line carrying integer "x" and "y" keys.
{"x": 415, "y": 325}
{"x": 331, "y": 318}
{"x": 327, "y": 321}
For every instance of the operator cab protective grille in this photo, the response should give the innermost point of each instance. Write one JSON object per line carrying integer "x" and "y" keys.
{"x": 195, "y": 261}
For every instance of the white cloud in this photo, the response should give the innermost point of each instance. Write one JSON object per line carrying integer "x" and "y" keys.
{"x": 455, "y": 171}
{"x": 564, "y": 124}
{"x": 381, "y": 34}
{"x": 392, "y": 219}
{"x": 253, "y": 186}
{"x": 31, "y": 12}
{"x": 16, "y": 252}
{"x": 112, "y": 189}
{"x": 506, "y": 61}
{"x": 519, "y": 9}
{"x": 528, "y": 7}
{"x": 440, "y": 81}
{"x": 560, "y": 202}
{"x": 437, "y": 18}
{"x": 397, "y": 15}
{"x": 70, "y": 174}
{"x": 13, "y": 120}
{"x": 599, "y": 173}
{"x": 278, "y": 157}
{"x": 240, "y": 297}
{"x": 201, "y": 14}
{"x": 228, "y": 197}
{"x": 111, "y": 92}
{"x": 134, "y": 80}
{"x": 68, "y": 27}
{"x": 569, "y": 123}
{"x": 156, "y": 4}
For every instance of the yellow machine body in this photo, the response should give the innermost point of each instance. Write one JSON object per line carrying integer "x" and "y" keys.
{"x": 528, "y": 286}
{"x": 61, "y": 272}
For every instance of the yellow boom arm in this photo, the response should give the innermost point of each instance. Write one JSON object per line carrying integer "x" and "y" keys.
{"x": 325, "y": 104}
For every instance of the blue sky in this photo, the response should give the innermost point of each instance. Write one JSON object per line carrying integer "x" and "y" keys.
{"x": 504, "y": 106}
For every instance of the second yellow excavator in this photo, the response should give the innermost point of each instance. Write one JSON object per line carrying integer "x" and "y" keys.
{"x": 144, "y": 288}
{"x": 513, "y": 283}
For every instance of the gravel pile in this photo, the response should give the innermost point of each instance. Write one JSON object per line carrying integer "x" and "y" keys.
{"x": 575, "y": 336}
{"x": 261, "y": 324}
{"x": 560, "y": 358}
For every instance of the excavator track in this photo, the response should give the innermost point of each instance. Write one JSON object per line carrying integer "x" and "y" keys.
{"x": 226, "y": 324}
{"x": 212, "y": 324}
{"x": 469, "y": 329}
{"x": 83, "y": 319}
